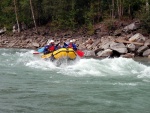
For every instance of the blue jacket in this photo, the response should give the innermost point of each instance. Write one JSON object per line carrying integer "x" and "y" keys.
{"x": 46, "y": 49}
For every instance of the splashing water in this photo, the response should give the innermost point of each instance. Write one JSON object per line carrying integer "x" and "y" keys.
{"x": 80, "y": 67}
{"x": 31, "y": 84}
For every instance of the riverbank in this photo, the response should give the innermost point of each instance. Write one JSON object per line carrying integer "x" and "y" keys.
{"x": 122, "y": 39}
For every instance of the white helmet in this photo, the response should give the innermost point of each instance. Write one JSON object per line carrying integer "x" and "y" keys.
{"x": 51, "y": 41}
{"x": 71, "y": 41}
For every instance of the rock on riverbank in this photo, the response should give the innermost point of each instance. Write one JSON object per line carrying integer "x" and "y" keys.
{"x": 126, "y": 41}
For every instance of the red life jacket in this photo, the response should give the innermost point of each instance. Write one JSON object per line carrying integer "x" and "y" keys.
{"x": 70, "y": 46}
{"x": 51, "y": 48}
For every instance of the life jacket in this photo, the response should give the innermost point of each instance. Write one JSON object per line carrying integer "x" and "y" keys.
{"x": 73, "y": 46}
{"x": 70, "y": 46}
{"x": 46, "y": 48}
{"x": 51, "y": 48}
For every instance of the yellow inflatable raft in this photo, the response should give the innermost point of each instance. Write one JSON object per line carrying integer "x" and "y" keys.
{"x": 61, "y": 53}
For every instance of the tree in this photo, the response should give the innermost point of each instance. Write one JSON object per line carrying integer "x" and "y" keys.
{"x": 16, "y": 16}
{"x": 147, "y": 6}
{"x": 33, "y": 15}
{"x": 113, "y": 8}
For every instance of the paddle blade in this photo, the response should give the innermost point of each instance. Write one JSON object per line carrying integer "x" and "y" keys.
{"x": 80, "y": 53}
{"x": 41, "y": 50}
{"x": 35, "y": 52}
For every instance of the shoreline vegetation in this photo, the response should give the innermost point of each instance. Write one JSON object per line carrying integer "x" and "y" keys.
{"x": 125, "y": 40}
{"x": 100, "y": 28}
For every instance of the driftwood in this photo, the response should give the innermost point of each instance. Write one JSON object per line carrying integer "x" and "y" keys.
{"x": 128, "y": 42}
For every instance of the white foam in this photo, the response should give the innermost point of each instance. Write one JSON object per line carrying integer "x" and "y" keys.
{"x": 144, "y": 73}
{"x": 85, "y": 67}
{"x": 125, "y": 84}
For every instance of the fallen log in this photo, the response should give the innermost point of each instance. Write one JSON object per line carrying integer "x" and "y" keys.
{"x": 128, "y": 42}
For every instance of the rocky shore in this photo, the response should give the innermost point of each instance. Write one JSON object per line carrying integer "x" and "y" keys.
{"x": 123, "y": 40}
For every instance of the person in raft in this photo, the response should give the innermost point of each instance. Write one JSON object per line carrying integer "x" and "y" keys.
{"x": 50, "y": 47}
{"x": 71, "y": 45}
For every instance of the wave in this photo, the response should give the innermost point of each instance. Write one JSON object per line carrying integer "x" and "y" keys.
{"x": 79, "y": 67}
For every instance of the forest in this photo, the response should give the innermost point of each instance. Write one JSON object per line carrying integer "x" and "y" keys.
{"x": 71, "y": 14}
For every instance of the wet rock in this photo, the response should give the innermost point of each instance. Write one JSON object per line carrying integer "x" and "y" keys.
{"x": 97, "y": 50}
{"x": 146, "y": 53}
{"x": 128, "y": 55}
{"x": 131, "y": 47}
{"x": 119, "y": 47}
{"x": 105, "y": 53}
{"x": 88, "y": 53}
{"x": 141, "y": 49}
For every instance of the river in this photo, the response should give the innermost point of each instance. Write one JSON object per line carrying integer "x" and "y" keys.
{"x": 29, "y": 84}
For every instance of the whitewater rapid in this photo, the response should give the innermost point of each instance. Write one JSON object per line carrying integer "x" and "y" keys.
{"x": 31, "y": 84}
{"x": 80, "y": 67}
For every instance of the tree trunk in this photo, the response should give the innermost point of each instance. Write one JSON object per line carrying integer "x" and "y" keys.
{"x": 120, "y": 8}
{"x": 147, "y": 6}
{"x": 113, "y": 8}
{"x": 33, "y": 15}
{"x": 16, "y": 16}
{"x": 98, "y": 11}
{"x": 129, "y": 10}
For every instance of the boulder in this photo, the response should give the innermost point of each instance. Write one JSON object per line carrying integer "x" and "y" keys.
{"x": 147, "y": 42}
{"x": 137, "y": 38}
{"x": 3, "y": 30}
{"x": 118, "y": 32}
{"x": 128, "y": 55}
{"x": 88, "y": 53}
{"x": 105, "y": 53}
{"x": 146, "y": 53}
{"x": 82, "y": 46}
{"x": 131, "y": 47}
{"x": 89, "y": 41}
{"x": 96, "y": 42}
{"x": 132, "y": 26}
{"x": 142, "y": 49}
{"x": 89, "y": 46}
{"x": 11, "y": 44}
{"x": 97, "y": 50}
{"x": 35, "y": 44}
{"x": 105, "y": 45}
{"x": 119, "y": 47}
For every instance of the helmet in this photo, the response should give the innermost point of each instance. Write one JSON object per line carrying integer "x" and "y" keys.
{"x": 51, "y": 41}
{"x": 71, "y": 41}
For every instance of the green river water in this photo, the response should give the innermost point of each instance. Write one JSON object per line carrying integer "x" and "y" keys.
{"x": 29, "y": 84}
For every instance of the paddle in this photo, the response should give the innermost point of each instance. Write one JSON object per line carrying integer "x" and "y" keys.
{"x": 40, "y": 50}
{"x": 36, "y": 53}
{"x": 80, "y": 53}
